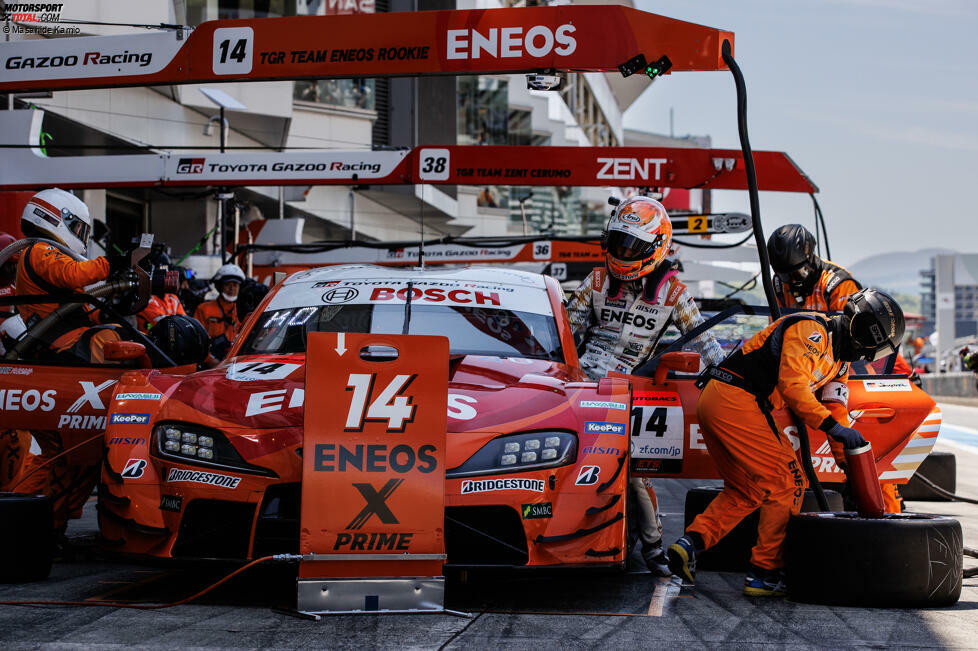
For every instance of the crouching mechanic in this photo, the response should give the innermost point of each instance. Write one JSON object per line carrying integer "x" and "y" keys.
{"x": 801, "y": 361}
{"x": 620, "y": 312}
{"x": 44, "y": 269}
{"x": 804, "y": 280}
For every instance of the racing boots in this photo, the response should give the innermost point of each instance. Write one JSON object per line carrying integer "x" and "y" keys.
{"x": 655, "y": 559}
{"x": 761, "y": 582}
{"x": 682, "y": 557}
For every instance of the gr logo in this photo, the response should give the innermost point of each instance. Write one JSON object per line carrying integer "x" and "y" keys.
{"x": 340, "y": 295}
{"x": 190, "y": 166}
{"x": 134, "y": 468}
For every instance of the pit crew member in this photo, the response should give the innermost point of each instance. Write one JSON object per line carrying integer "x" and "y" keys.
{"x": 220, "y": 316}
{"x": 43, "y": 269}
{"x": 804, "y": 280}
{"x": 800, "y": 361}
{"x": 158, "y": 307}
{"x": 620, "y": 312}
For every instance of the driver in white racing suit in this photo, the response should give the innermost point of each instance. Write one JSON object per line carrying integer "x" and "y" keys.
{"x": 621, "y": 311}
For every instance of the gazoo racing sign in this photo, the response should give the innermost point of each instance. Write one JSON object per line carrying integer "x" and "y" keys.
{"x": 205, "y": 169}
{"x": 530, "y": 39}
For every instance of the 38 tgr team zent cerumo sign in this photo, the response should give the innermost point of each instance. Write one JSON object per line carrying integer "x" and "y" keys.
{"x": 536, "y": 456}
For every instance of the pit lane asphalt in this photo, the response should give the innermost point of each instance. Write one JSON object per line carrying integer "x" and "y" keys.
{"x": 518, "y": 610}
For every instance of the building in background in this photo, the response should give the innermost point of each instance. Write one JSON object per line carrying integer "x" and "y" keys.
{"x": 949, "y": 298}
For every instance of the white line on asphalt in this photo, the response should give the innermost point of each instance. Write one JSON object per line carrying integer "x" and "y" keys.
{"x": 664, "y": 589}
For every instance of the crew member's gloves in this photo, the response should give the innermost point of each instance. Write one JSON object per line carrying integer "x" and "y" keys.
{"x": 848, "y": 437}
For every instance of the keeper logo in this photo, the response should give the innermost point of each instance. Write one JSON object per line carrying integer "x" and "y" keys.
{"x": 129, "y": 419}
{"x": 595, "y": 427}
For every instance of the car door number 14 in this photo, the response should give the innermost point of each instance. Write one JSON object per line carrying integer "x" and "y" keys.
{"x": 657, "y": 426}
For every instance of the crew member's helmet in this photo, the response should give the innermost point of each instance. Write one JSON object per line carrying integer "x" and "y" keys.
{"x": 11, "y": 330}
{"x": 876, "y": 324}
{"x": 638, "y": 238}
{"x": 791, "y": 249}
{"x": 251, "y": 294}
{"x": 60, "y": 216}
{"x": 156, "y": 259}
{"x": 182, "y": 338}
{"x": 228, "y": 273}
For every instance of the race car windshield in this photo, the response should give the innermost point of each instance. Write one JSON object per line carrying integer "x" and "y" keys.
{"x": 470, "y": 330}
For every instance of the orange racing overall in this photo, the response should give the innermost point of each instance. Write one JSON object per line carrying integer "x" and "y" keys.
{"x": 832, "y": 289}
{"x": 786, "y": 364}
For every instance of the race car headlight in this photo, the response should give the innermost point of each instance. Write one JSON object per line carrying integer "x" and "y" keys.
{"x": 198, "y": 445}
{"x": 519, "y": 452}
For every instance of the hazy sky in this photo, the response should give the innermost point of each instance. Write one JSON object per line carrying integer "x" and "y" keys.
{"x": 876, "y": 100}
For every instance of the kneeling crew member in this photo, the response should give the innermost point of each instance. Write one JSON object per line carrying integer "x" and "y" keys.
{"x": 801, "y": 361}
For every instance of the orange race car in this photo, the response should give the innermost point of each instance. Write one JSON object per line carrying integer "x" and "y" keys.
{"x": 208, "y": 465}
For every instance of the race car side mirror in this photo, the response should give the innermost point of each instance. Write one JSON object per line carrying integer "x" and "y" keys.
{"x": 123, "y": 351}
{"x": 682, "y": 361}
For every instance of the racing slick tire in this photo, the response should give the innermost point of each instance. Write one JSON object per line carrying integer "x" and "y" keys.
{"x": 900, "y": 560}
{"x": 27, "y": 545}
{"x": 940, "y": 468}
{"x": 732, "y": 552}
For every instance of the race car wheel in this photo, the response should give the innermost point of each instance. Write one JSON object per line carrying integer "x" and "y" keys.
{"x": 27, "y": 544}
{"x": 732, "y": 553}
{"x": 940, "y": 468}
{"x": 900, "y": 560}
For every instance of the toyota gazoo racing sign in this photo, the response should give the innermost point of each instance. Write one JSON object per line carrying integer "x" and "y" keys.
{"x": 530, "y": 39}
{"x": 251, "y": 168}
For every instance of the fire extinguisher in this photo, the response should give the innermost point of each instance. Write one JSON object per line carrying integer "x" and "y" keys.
{"x": 864, "y": 481}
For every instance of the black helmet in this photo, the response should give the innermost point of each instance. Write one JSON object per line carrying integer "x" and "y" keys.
{"x": 875, "y": 324}
{"x": 156, "y": 258}
{"x": 249, "y": 296}
{"x": 182, "y": 338}
{"x": 791, "y": 249}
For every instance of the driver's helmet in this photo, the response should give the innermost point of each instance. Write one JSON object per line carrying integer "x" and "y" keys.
{"x": 60, "y": 216}
{"x": 228, "y": 272}
{"x": 875, "y": 323}
{"x": 182, "y": 338}
{"x": 639, "y": 236}
{"x": 791, "y": 249}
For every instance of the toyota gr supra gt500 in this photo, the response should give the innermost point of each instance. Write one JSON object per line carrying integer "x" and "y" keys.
{"x": 208, "y": 465}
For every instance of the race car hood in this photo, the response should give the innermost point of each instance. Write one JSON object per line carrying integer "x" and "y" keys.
{"x": 486, "y": 394}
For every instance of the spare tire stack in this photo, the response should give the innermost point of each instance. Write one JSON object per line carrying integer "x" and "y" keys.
{"x": 27, "y": 543}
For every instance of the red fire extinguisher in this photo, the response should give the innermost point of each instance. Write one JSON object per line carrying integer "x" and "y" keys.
{"x": 864, "y": 481}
